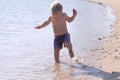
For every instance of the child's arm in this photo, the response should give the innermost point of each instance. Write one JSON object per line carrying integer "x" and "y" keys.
{"x": 70, "y": 19}
{"x": 44, "y": 24}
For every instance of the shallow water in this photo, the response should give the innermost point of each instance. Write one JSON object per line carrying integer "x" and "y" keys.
{"x": 27, "y": 54}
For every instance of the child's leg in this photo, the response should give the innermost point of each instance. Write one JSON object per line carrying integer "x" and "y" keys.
{"x": 72, "y": 56}
{"x": 56, "y": 54}
{"x": 69, "y": 46}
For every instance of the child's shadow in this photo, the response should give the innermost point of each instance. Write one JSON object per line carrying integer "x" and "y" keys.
{"x": 94, "y": 72}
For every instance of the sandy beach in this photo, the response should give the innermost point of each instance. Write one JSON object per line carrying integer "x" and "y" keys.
{"x": 109, "y": 50}
{"x": 110, "y": 47}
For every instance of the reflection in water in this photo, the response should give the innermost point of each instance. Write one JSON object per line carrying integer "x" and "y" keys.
{"x": 62, "y": 74}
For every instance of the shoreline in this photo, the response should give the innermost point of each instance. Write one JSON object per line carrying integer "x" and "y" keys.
{"x": 109, "y": 50}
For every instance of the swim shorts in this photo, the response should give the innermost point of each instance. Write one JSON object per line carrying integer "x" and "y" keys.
{"x": 60, "y": 40}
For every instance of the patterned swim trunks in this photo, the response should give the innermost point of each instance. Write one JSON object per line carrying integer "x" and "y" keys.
{"x": 60, "y": 40}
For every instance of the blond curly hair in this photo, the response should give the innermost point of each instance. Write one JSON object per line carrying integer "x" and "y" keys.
{"x": 56, "y": 7}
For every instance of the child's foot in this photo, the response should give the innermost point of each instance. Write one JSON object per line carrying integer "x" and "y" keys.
{"x": 75, "y": 59}
{"x": 57, "y": 62}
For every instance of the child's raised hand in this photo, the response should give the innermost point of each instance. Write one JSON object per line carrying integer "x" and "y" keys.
{"x": 74, "y": 12}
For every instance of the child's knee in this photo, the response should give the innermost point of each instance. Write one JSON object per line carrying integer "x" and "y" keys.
{"x": 69, "y": 46}
{"x": 56, "y": 50}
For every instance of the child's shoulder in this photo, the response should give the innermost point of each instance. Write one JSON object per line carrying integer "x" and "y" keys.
{"x": 64, "y": 14}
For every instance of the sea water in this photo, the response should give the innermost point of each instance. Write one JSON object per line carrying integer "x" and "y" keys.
{"x": 26, "y": 53}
